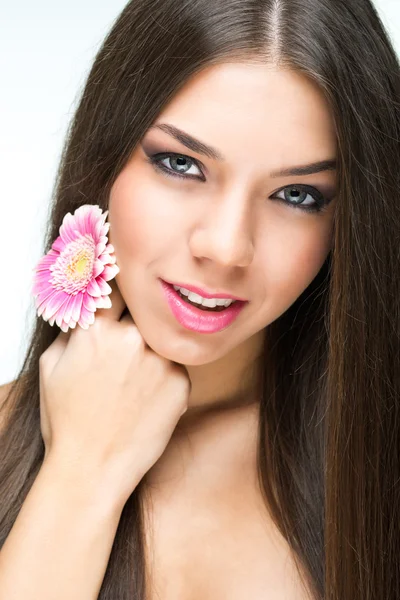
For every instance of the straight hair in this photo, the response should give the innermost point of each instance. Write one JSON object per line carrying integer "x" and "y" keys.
{"x": 329, "y": 427}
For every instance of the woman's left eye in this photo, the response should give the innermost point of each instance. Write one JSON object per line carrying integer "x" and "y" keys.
{"x": 294, "y": 196}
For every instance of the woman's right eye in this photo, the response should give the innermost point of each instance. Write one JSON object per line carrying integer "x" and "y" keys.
{"x": 180, "y": 165}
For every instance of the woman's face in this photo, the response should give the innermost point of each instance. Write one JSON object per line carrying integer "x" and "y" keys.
{"x": 231, "y": 222}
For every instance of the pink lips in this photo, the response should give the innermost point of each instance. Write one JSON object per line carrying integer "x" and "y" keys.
{"x": 196, "y": 319}
{"x": 203, "y": 293}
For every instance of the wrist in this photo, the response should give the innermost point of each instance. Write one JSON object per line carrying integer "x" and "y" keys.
{"x": 84, "y": 482}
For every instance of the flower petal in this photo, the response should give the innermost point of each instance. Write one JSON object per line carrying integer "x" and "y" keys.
{"x": 98, "y": 268}
{"x": 105, "y": 229}
{"x": 64, "y": 326}
{"x": 104, "y": 287}
{"x": 65, "y": 311}
{"x": 43, "y": 295}
{"x": 77, "y": 307}
{"x": 89, "y": 303}
{"x": 93, "y": 288}
{"x": 67, "y": 229}
{"x": 59, "y": 244}
{"x": 81, "y": 220}
{"x": 100, "y": 247}
{"x": 51, "y": 321}
{"x": 40, "y": 309}
{"x": 46, "y": 262}
{"x": 86, "y": 318}
{"x": 104, "y": 258}
{"x": 99, "y": 225}
{"x": 110, "y": 271}
{"x": 41, "y": 288}
{"x": 104, "y": 302}
{"x": 54, "y": 303}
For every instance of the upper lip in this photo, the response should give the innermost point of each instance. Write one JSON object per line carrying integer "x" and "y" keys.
{"x": 206, "y": 293}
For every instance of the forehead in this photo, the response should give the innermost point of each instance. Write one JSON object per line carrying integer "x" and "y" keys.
{"x": 268, "y": 108}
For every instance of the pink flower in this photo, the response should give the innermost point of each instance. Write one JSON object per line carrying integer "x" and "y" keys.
{"x": 70, "y": 280}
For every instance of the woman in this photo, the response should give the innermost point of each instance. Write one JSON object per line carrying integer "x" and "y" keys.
{"x": 281, "y": 479}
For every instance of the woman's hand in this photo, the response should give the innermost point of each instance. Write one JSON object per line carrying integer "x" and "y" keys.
{"x": 108, "y": 400}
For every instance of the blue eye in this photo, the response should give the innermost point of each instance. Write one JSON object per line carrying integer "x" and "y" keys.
{"x": 295, "y": 196}
{"x": 178, "y": 161}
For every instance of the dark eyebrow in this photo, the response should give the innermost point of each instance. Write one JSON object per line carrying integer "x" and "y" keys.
{"x": 201, "y": 148}
{"x": 189, "y": 141}
{"x": 317, "y": 167}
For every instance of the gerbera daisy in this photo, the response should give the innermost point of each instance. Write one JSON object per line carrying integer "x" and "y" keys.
{"x": 70, "y": 280}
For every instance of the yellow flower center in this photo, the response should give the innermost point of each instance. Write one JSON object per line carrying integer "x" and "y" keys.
{"x": 79, "y": 264}
{"x": 73, "y": 269}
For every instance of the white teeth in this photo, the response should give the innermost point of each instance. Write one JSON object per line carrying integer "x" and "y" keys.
{"x": 208, "y": 302}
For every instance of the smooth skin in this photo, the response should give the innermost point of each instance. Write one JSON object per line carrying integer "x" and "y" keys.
{"x": 119, "y": 409}
{"x": 224, "y": 230}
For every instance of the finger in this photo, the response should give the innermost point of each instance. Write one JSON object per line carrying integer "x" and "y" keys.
{"x": 56, "y": 349}
{"x": 127, "y": 318}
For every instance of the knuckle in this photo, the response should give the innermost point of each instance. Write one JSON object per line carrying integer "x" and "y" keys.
{"x": 181, "y": 384}
{"x": 181, "y": 376}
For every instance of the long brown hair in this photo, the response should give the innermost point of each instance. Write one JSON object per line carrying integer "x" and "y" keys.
{"x": 329, "y": 443}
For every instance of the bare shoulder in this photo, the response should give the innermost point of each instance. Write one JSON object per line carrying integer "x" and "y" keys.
{"x": 5, "y": 389}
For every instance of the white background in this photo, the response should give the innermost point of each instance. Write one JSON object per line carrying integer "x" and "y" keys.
{"x": 46, "y": 50}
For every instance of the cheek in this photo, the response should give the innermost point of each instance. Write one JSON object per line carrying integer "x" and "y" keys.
{"x": 290, "y": 264}
{"x": 138, "y": 222}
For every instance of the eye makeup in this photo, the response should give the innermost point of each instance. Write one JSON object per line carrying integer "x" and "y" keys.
{"x": 302, "y": 191}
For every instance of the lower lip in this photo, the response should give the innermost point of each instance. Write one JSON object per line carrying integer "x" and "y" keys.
{"x": 199, "y": 320}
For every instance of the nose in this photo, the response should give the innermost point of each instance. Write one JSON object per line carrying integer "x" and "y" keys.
{"x": 225, "y": 234}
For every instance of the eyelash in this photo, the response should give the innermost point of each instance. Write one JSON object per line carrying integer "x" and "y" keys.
{"x": 320, "y": 201}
